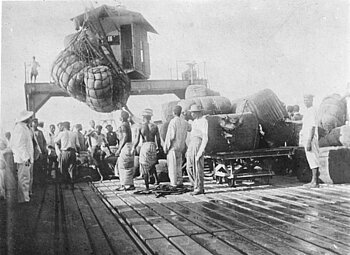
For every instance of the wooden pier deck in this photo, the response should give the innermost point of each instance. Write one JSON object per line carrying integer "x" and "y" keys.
{"x": 280, "y": 218}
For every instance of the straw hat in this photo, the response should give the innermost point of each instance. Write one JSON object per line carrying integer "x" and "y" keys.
{"x": 24, "y": 115}
{"x": 147, "y": 112}
{"x": 195, "y": 108}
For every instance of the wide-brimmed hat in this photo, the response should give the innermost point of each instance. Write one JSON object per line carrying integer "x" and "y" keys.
{"x": 195, "y": 108}
{"x": 24, "y": 115}
{"x": 147, "y": 112}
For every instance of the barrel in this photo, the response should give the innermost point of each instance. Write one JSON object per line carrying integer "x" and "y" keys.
{"x": 232, "y": 132}
{"x": 336, "y": 137}
{"x": 331, "y": 113}
{"x": 194, "y": 91}
{"x": 167, "y": 110}
{"x": 266, "y": 106}
{"x": 211, "y": 105}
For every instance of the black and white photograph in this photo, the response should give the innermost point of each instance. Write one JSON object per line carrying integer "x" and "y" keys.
{"x": 165, "y": 127}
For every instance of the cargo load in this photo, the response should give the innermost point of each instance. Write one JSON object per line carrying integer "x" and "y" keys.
{"x": 232, "y": 132}
{"x": 88, "y": 71}
{"x": 194, "y": 91}
{"x": 282, "y": 134}
{"x": 266, "y": 106}
{"x": 167, "y": 110}
{"x": 331, "y": 114}
{"x": 336, "y": 137}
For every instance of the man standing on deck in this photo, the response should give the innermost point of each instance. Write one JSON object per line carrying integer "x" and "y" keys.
{"x": 175, "y": 146}
{"x": 34, "y": 71}
{"x": 40, "y": 154}
{"x": 69, "y": 145}
{"x": 23, "y": 152}
{"x": 150, "y": 144}
{"x": 51, "y": 152}
{"x": 309, "y": 139}
{"x": 195, "y": 151}
{"x": 125, "y": 154}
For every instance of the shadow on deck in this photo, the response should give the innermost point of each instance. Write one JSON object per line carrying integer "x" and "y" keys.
{"x": 281, "y": 218}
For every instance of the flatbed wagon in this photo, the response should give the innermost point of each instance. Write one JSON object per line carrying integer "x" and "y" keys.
{"x": 238, "y": 166}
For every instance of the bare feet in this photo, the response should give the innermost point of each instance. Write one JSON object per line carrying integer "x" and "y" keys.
{"x": 311, "y": 185}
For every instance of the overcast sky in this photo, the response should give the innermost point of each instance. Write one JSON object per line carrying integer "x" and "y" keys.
{"x": 290, "y": 46}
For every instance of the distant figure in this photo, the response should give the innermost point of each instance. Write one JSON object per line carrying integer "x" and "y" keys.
{"x": 52, "y": 162}
{"x": 296, "y": 114}
{"x": 309, "y": 139}
{"x": 23, "y": 153}
{"x": 112, "y": 139}
{"x": 195, "y": 151}
{"x": 290, "y": 111}
{"x": 175, "y": 146}
{"x": 39, "y": 153}
{"x": 34, "y": 71}
{"x": 125, "y": 162}
{"x": 81, "y": 138}
{"x": 150, "y": 144}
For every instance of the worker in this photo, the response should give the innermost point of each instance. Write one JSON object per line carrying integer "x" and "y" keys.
{"x": 52, "y": 163}
{"x": 196, "y": 147}
{"x": 125, "y": 154}
{"x": 89, "y": 133}
{"x": 296, "y": 114}
{"x": 69, "y": 145}
{"x": 150, "y": 145}
{"x": 175, "y": 146}
{"x": 23, "y": 153}
{"x": 40, "y": 153}
{"x": 81, "y": 138}
{"x": 112, "y": 138}
{"x": 290, "y": 112}
{"x": 34, "y": 71}
{"x": 3, "y": 168}
{"x": 309, "y": 139}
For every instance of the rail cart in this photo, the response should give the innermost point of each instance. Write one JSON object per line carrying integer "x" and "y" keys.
{"x": 237, "y": 166}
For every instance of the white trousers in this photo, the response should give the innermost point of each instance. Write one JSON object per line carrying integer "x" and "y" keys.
{"x": 25, "y": 182}
{"x": 174, "y": 161}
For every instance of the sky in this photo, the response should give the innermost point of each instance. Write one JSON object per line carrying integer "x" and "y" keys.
{"x": 290, "y": 46}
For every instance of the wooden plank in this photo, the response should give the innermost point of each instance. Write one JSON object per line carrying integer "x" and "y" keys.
{"x": 98, "y": 240}
{"x": 310, "y": 226}
{"x": 214, "y": 245}
{"x": 268, "y": 242}
{"x": 188, "y": 246}
{"x": 78, "y": 240}
{"x": 241, "y": 243}
{"x": 45, "y": 232}
{"x": 165, "y": 227}
{"x": 162, "y": 246}
{"x": 119, "y": 240}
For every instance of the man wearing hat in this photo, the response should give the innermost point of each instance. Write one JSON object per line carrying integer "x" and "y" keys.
{"x": 309, "y": 139}
{"x": 175, "y": 146}
{"x": 23, "y": 153}
{"x": 125, "y": 162}
{"x": 150, "y": 144}
{"x": 196, "y": 147}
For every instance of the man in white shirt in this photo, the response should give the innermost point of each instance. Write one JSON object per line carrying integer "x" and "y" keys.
{"x": 69, "y": 145}
{"x": 195, "y": 151}
{"x": 175, "y": 146}
{"x": 309, "y": 139}
{"x": 23, "y": 153}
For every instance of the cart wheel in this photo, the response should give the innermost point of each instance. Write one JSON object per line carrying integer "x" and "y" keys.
{"x": 218, "y": 179}
{"x": 231, "y": 182}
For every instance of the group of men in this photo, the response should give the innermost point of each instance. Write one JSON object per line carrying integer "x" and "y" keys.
{"x": 174, "y": 147}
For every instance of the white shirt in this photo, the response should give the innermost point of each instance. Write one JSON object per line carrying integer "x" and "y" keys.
{"x": 176, "y": 134}
{"x": 309, "y": 121}
{"x": 68, "y": 139}
{"x": 200, "y": 129}
{"x": 22, "y": 143}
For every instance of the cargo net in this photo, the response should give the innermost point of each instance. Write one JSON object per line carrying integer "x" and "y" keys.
{"x": 87, "y": 70}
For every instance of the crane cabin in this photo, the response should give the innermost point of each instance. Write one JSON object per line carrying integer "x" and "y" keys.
{"x": 126, "y": 33}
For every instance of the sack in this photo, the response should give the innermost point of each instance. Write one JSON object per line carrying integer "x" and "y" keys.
{"x": 194, "y": 91}
{"x": 337, "y": 137}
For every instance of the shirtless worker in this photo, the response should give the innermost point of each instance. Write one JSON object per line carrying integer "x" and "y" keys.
{"x": 150, "y": 144}
{"x": 125, "y": 154}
